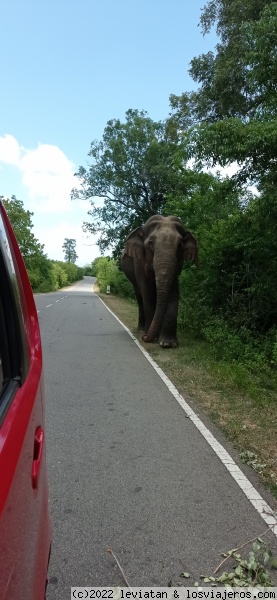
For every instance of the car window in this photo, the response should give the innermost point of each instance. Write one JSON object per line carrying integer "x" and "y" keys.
{"x": 5, "y": 371}
{"x": 13, "y": 348}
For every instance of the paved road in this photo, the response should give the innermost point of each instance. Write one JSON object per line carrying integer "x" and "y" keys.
{"x": 127, "y": 468}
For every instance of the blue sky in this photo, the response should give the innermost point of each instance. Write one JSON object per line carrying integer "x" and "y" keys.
{"x": 67, "y": 67}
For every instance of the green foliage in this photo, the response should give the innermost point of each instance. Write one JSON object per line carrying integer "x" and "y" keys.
{"x": 41, "y": 274}
{"x": 45, "y": 275}
{"x": 232, "y": 117}
{"x": 39, "y": 267}
{"x": 249, "y": 572}
{"x": 88, "y": 269}
{"x": 234, "y": 111}
{"x": 60, "y": 274}
{"x": 57, "y": 275}
{"x": 69, "y": 246}
{"x": 107, "y": 272}
{"x": 133, "y": 169}
{"x": 252, "y": 571}
{"x": 140, "y": 168}
{"x": 231, "y": 299}
{"x": 21, "y": 221}
{"x": 72, "y": 272}
{"x": 226, "y": 86}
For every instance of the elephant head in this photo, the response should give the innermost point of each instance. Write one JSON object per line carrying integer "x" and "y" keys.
{"x": 161, "y": 245}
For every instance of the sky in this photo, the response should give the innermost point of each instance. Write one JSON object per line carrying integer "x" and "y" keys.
{"x": 66, "y": 68}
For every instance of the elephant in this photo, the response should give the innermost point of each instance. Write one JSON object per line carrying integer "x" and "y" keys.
{"x": 152, "y": 260}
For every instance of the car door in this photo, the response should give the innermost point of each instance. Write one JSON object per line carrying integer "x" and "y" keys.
{"x": 25, "y": 531}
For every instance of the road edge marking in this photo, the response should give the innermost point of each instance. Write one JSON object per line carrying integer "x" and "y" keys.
{"x": 264, "y": 510}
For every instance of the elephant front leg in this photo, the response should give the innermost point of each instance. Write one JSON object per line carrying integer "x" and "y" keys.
{"x": 149, "y": 304}
{"x": 141, "y": 316}
{"x": 168, "y": 335}
{"x": 146, "y": 309}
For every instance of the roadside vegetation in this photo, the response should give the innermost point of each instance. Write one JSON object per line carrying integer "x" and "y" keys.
{"x": 239, "y": 399}
{"x": 227, "y": 357}
{"x": 45, "y": 275}
{"x": 227, "y": 322}
{"x": 141, "y": 167}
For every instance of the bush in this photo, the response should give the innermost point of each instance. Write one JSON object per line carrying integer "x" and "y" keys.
{"x": 41, "y": 273}
{"x": 107, "y": 273}
{"x": 60, "y": 275}
{"x": 73, "y": 272}
{"x": 194, "y": 310}
{"x": 88, "y": 270}
{"x": 35, "y": 277}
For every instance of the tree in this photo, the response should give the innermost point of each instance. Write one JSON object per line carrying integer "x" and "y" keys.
{"x": 72, "y": 272}
{"x": 234, "y": 112}
{"x": 21, "y": 221}
{"x": 69, "y": 246}
{"x": 225, "y": 89}
{"x": 39, "y": 267}
{"x": 232, "y": 116}
{"x": 134, "y": 168}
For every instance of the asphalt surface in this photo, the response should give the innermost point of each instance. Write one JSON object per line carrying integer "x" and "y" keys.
{"x": 127, "y": 468}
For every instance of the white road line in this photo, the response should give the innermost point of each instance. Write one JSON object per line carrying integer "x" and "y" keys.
{"x": 57, "y": 300}
{"x": 48, "y": 305}
{"x": 246, "y": 486}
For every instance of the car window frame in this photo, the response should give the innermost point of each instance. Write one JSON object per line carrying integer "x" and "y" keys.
{"x": 15, "y": 351}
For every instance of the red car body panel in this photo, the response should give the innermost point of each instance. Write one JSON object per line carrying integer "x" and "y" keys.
{"x": 25, "y": 528}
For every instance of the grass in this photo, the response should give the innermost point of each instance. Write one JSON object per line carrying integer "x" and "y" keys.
{"x": 242, "y": 404}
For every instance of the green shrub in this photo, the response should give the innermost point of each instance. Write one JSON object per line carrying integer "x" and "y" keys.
{"x": 107, "y": 273}
{"x": 73, "y": 272}
{"x": 60, "y": 275}
{"x": 41, "y": 274}
{"x": 87, "y": 270}
{"x": 35, "y": 277}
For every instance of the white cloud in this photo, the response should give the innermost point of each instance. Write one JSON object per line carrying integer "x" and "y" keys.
{"x": 53, "y": 237}
{"x": 9, "y": 150}
{"x": 47, "y": 174}
{"x": 227, "y": 171}
{"x": 46, "y": 178}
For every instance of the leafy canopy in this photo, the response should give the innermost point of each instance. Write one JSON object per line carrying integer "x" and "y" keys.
{"x": 134, "y": 168}
{"x": 233, "y": 114}
{"x": 225, "y": 87}
{"x": 69, "y": 248}
{"x": 38, "y": 266}
{"x": 21, "y": 221}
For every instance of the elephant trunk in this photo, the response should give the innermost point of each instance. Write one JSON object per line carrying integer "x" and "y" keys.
{"x": 164, "y": 275}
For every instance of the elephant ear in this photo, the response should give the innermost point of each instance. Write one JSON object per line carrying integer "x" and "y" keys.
{"x": 134, "y": 244}
{"x": 190, "y": 248}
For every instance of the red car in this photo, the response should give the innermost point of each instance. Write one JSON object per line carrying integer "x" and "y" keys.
{"x": 25, "y": 529}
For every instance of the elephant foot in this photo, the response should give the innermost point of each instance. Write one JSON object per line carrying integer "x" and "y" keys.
{"x": 168, "y": 342}
{"x": 145, "y": 339}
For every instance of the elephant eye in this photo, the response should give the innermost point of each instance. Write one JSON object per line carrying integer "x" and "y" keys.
{"x": 150, "y": 244}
